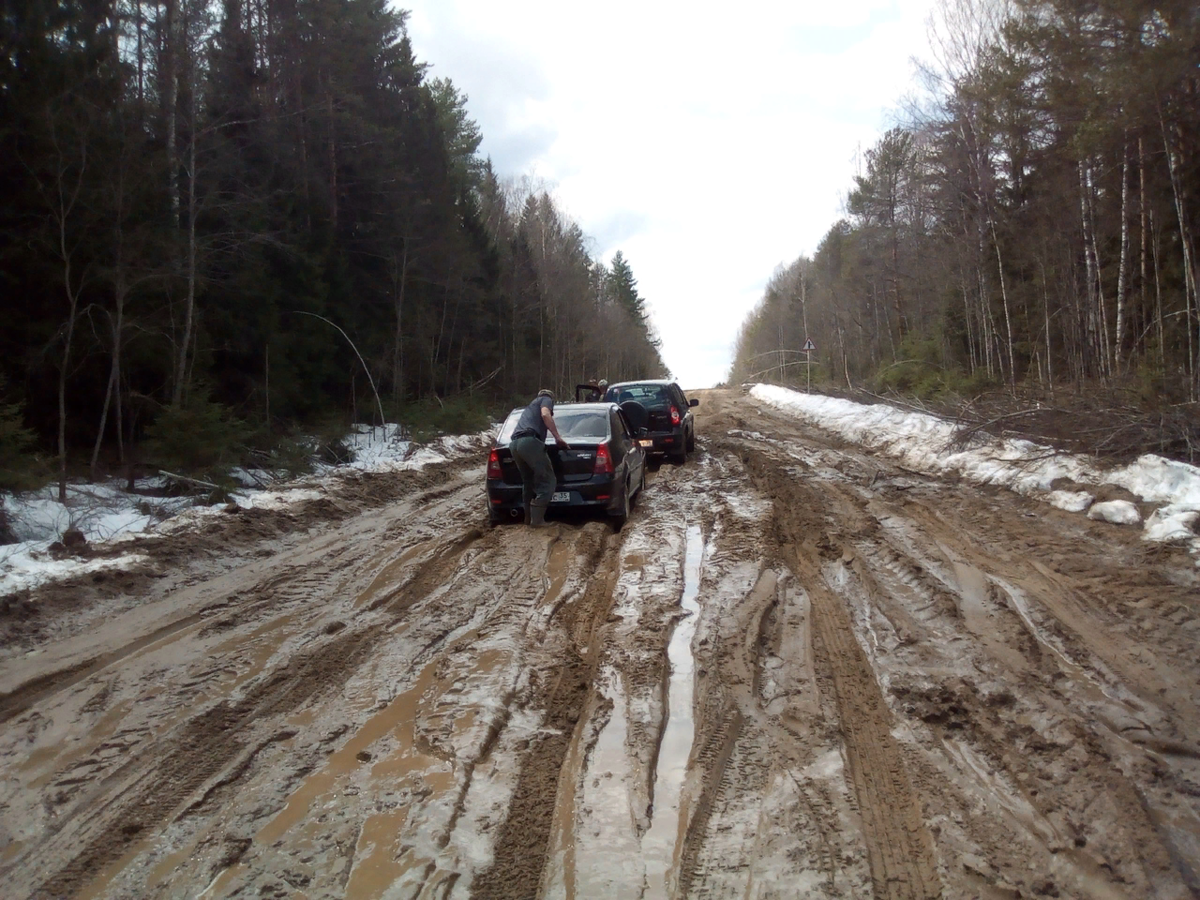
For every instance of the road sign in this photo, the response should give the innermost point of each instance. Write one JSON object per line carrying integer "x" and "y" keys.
{"x": 809, "y": 345}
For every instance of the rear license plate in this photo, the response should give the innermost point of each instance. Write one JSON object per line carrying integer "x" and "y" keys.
{"x": 561, "y": 497}
{"x": 646, "y": 443}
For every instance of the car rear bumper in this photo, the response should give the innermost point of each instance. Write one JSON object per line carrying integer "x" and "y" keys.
{"x": 505, "y": 498}
{"x": 664, "y": 441}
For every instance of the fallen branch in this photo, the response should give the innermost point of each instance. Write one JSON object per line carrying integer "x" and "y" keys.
{"x": 195, "y": 481}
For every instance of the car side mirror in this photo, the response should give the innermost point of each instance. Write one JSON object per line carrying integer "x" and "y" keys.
{"x": 693, "y": 402}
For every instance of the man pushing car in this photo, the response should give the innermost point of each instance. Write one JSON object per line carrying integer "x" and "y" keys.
{"x": 528, "y": 449}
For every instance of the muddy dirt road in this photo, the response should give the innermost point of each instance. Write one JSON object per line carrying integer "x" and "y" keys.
{"x": 798, "y": 671}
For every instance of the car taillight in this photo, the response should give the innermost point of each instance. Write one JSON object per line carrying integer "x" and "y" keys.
{"x": 674, "y": 416}
{"x": 604, "y": 464}
{"x": 494, "y": 465}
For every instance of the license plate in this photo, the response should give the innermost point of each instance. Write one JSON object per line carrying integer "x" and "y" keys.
{"x": 561, "y": 497}
{"x": 646, "y": 443}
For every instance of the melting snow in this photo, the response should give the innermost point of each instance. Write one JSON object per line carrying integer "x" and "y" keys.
{"x": 106, "y": 512}
{"x": 1119, "y": 512}
{"x": 927, "y": 444}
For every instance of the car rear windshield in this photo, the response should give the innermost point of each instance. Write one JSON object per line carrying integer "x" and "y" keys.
{"x": 572, "y": 423}
{"x": 510, "y": 425}
{"x": 582, "y": 424}
{"x": 645, "y": 394}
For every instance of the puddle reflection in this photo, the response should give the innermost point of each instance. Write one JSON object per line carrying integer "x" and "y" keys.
{"x": 662, "y": 840}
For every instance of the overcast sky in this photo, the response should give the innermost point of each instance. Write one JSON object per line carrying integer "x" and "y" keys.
{"x": 710, "y": 147}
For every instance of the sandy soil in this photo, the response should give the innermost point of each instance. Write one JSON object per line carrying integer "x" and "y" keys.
{"x": 797, "y": 671}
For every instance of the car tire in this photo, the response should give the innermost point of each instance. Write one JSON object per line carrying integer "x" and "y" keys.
{"x": 681, "y": 457}
{"x": 494, "y": 516}
{"x": 691, "y": 442}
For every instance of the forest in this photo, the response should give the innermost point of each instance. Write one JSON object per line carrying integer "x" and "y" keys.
{"x": 1027, "y": 230}
{"x": 229, "y": 223}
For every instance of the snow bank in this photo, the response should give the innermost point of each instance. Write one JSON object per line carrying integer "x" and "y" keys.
{"x": 927, "y": 444}
{"x": 105, "y": 512}
{"x": 24, "y": 566}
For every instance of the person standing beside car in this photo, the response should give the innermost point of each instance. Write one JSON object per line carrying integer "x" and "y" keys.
{"x": 528, "y": 448}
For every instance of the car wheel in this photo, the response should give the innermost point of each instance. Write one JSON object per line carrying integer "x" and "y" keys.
{"x": 681, "y": 457}
{"x": 494, "y": 516}
{"x": 691, "y": 442}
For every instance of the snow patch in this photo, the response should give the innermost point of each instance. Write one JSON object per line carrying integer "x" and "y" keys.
{"x": 928, "y": 444}
{"x": 1165, "y": 525}
{"x": 1118, "y": 512}
{"x": 28, "y": 565}
{"x": 108, "y": 513}
{"x": 1071, "y": 501}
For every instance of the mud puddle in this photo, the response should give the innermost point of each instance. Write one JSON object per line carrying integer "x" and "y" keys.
{"x": 661, "y": 842}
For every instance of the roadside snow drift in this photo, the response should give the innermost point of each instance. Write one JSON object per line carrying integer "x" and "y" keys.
{"x": 106, "y": 512}
{"x": 927, "y": 444}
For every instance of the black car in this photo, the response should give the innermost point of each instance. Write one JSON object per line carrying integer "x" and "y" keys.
{"x": 669, "y": 423}
{"x": 605, "y": 468}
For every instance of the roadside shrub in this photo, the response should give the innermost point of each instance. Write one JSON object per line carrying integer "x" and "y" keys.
{"x": 292, "y": 455}
{"x": 458, "y": 415}
{"x": 201, "y": 440}
{"x": 20, "y": 468}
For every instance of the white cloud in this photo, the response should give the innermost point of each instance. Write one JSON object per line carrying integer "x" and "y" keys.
{"x": 708, "y": 147}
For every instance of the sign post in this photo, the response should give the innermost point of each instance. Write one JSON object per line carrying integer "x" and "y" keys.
{"x": 809, "y": 346}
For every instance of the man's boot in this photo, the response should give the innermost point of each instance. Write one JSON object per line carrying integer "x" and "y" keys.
{"x": 537, "y": 515}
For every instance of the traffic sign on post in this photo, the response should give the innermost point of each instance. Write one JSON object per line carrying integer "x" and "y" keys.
{"x": 808, "y": 347}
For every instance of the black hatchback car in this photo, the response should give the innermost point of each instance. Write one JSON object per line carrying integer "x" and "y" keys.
{"x": 605, "y": 468}
{"x": 670, "y": 425}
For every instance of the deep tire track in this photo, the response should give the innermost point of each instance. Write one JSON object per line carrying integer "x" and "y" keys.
{"x": 900, "y": 848}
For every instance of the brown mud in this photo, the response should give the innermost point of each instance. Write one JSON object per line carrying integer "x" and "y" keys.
{"x": 797, "y": 671}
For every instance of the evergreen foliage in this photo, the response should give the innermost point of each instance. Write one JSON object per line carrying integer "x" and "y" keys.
{"x": 18, "y": 465}
{"x": 200, "y": 438}
{"x": 178, "y": 181}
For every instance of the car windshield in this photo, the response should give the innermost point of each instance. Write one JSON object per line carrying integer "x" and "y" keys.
{"x": 643, "y": 393}
{"x": 580, "y": 424}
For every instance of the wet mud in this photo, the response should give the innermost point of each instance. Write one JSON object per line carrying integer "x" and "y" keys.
{"x": 796, "y": 671}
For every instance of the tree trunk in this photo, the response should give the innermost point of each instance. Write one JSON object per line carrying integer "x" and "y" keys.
{"x": 1119, "y": 338}
{"x": 189, "y": 310}
{"x": 1012, "y": 365}
{"x": 1185, "y": 243}
{"x": 333, "y": 163}
{"x": 170, "y": 93}
{"x": 400, "y": 280}
{"x": 1142, "y": 205}
{"x": 1090, "y": 325}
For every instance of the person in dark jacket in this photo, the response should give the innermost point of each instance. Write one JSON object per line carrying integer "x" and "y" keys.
{"x": 528, "y": 447}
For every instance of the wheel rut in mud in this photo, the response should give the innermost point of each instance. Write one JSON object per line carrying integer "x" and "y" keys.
{"x": 797, "y": 670}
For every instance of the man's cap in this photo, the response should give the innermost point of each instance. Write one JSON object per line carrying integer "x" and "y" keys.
{"x": 602, "y": 383}
{"x": 546, "y": 392}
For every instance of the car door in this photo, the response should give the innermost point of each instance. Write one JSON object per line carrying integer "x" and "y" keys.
{"x": 633, "y": 457}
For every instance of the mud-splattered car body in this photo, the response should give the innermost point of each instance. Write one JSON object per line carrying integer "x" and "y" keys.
{"x": 670, "y": 425}
{"x": 604, "y": 469}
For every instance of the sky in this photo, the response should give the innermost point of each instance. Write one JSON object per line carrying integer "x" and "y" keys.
{"x": 710, "y": 145}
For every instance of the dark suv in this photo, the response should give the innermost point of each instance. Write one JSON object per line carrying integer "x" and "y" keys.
{"x": 670, "y": 425}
